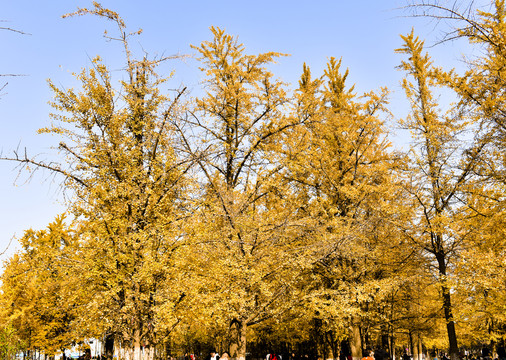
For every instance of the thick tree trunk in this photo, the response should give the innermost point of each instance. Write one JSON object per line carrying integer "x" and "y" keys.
{"x": 119, "y": 352}
{"x": 384, "y": 338}
{"x": 392, "y": 347}
{"x": 238, "y": 339}
{"x": 137, "y": 353}
{"x": 411, "y": 351}
{"x": 447, "y": 306}
{"x": 420, "y": 347}
{"x": 415, "y": 348}
{"x": 334, "y": 346}
{"x": 450, "y": 324}
{"x": 355, "y": 340}
{"x": 109, "y": 346}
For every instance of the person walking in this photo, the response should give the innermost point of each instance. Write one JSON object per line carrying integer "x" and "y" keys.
{"x": 213, "y": 355}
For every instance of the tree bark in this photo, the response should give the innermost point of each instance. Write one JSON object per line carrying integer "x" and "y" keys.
{"x": 108, "y": 346}
{"x": 450, "y": 324}
{"x": 238, "y": 339}
{"x": 334, "y": 346}
{"x": 392, "y": 346}
{"x": 414, "y": 347}
{"x": 420, "y": 347}
{"x": 137, "y": 353}
{"x": 355, "y": 340}
{"x": 447, "y": 306}
{"x": 119, "y": 352}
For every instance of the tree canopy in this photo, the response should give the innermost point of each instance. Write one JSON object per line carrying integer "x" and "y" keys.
{"x": 256, "y": 216}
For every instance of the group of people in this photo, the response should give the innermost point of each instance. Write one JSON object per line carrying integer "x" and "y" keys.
{"x": 378, "y": 354}
{"x": 213, "y": 355}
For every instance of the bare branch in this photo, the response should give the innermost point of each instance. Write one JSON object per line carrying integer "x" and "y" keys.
{"x": 13, "y": 30}
{"x": 24, "y": 159}
{"x": 7, "y": 247}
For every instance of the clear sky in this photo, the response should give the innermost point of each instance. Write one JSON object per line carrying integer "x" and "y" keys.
{"x": 364, "y": 33}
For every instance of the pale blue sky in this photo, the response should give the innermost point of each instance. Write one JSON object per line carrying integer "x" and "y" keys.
{"x": 363, "y": 32}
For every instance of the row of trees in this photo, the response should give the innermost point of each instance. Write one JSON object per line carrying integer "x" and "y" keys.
{"x": 263, "y": 215}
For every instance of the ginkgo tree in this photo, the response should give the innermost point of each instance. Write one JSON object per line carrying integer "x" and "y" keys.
{"x": 249, "y": 249}
{"x": 440, "y": 167}
{"x": 126, "y": 187}
{"x": 339, "y": 163}
{"x": 481, "y": 94}
{"x": 36, "y": 288}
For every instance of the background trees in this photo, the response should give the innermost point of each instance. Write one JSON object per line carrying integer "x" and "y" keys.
{"x": 37, "y": 303}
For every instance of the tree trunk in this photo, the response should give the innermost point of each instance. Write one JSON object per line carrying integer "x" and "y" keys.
{"x": 414, "y": 347}
{"x": 329, "y": 347}
{"x": 118, "y": 351}
{"x": 385, "y": 335}
{"x": 149, "y": 352}
{"x": 355, "y": 340}
{"x": 420, "y": 347}
{"x": 334, "y": 346}
{"x": 410, "y": 345}
{"x": 450, "y": 324}
{"x": 109, "y": 346}
{"x": 238, "y": 339}
{"x": 447, "y": 306}
{"x": 137, "y": 353}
